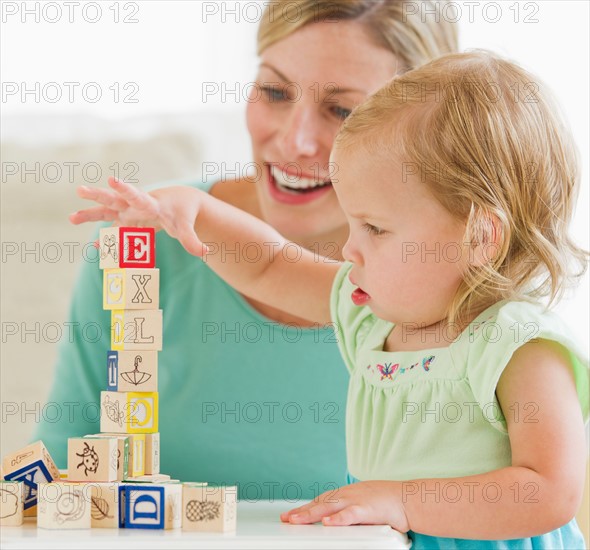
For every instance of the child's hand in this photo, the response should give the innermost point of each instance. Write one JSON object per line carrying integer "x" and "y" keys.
{"x": 366, "y": 502}
{"x": 173, "y": 209}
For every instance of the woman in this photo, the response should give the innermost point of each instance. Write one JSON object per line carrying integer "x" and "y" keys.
{"x": 242, "y": 396}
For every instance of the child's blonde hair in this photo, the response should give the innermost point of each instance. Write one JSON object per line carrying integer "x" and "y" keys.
{"x": 484, "y": 136}
{"x": 415, "y": 32}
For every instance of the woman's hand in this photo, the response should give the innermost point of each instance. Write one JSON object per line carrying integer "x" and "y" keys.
{"x": 173, "y": 209}
{"x": 366, "y": 502}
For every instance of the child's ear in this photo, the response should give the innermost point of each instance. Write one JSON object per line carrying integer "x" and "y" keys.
{"x": 485, "y": 238}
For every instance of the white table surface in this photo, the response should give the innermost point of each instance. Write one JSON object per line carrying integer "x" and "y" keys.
{"x": 259, "y": 526}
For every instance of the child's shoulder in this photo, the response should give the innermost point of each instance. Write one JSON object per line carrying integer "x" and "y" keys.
{"x": 495, "y": 335}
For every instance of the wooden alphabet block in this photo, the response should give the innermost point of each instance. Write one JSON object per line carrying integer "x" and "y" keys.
{"x": 123, "y": 453}
{"x": 127, "y": 247}
{"x": 131, "y": 288}
{"x": 92, "y": 459}
{"x": 64, "y": 505}
{"x": 108, "y": 247}
{"x": 137, "y": 446}
{"x": 152, "y": 478}
{"x": 12, "y": 497}
{"x": 149, "y": 506}
{"x": 136, "y": 329}
{"x": 128, "y": 412}
{"x": 152, "y": 453}
{"x": 209, "y": 508}
{"x": 132, "y": 371}
{"x": 104, "y": 505}
{"x": 31, "y": 465}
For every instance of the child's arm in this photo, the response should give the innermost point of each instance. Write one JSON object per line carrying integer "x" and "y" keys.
{"x": 283, "y": 274}
{"x": 540, "y": 492}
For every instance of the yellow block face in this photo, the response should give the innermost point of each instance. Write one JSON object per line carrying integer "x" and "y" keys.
{"x": 129, "y": 412}
{"x": 131, "y": 288}
{"x": 136, "y": 329}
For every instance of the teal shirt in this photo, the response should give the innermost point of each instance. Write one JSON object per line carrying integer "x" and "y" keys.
{"x": 243, "y": 400}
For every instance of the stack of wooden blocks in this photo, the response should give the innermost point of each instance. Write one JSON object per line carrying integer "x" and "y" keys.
{"x": 113, "y": 478}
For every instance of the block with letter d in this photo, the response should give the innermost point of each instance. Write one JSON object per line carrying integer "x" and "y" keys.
{"x": 127, "y": 247}
{"x": 147, "y": 506}
{"x": 132, "y": 371}
{"x": 128, "y": 412}
{"x": 131, "y": 288}
{"x": 136, "y": 329}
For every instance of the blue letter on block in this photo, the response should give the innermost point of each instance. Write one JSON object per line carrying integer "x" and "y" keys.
{"x": 144, "y": 507}
{"x": 112, "y": 370}
{"x": 30, "y": 475}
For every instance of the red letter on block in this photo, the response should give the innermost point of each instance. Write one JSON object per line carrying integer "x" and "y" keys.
{"x": 137, "y": 247}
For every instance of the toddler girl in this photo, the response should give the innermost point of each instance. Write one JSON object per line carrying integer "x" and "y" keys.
{"x": 467, "y": 397}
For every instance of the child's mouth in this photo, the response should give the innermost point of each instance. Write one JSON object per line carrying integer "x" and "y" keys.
{"x": 359, "y": 297}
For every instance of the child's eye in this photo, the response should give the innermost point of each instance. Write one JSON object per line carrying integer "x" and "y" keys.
{"x": 341, "y": 112}
{"x": 373, "y": 230}
{"x": 273, "y": 94}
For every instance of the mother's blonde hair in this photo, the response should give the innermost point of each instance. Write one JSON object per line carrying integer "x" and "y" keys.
{"x": 489, "y": 143}
{"x": 414, "y": 31}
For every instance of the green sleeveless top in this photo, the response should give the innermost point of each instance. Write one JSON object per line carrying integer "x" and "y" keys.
{"x": 434, "y": 412}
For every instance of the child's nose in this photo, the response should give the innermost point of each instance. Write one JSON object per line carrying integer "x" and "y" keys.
{"x": 350, "y": 252}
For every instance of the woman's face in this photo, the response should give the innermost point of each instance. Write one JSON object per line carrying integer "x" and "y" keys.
{"x": 307, "y": 84}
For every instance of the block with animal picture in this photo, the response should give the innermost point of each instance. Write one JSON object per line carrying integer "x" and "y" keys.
{"x": 128, "y": 412}
{"x": 127, "y": 288}
{"x": 150, "y": 506}
{"x": 136, "y": 329}
{"x": 132, "y": 247}
{"x": 92, "y": 459}
{"x": 123, "y": 453}
{"x": 31, "y": 465}
{"x": 12, "y": 497}
{"x": 132, "y": 371}
{"x": 104, "y": 505}
{"x": 64, "y": 505}
{"x": 209, "y": 508}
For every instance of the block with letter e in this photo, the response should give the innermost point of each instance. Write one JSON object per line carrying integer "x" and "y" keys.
{"x": 150, "y": 506}
{"x": 136, "y": 329}
{"x": 132, "y": 371}
{"x": 128, "y": 412}
{"x": 31, "y": 465}
{"x": 131, "y": 288}
{"x": 127, "y": 247}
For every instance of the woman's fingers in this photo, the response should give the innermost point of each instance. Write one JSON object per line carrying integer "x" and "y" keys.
{"x": 95, "y": 214}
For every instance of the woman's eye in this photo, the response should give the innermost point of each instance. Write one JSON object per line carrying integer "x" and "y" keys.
{"x": 373, "y": 230}
{"x": 341, "y": 112}
{"x": 273, "y": 94}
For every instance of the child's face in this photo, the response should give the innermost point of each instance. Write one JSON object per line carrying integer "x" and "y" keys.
{"x": 406, "y": 247}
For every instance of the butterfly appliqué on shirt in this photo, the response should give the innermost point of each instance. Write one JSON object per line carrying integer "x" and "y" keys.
{"x": 387, "y": 370}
